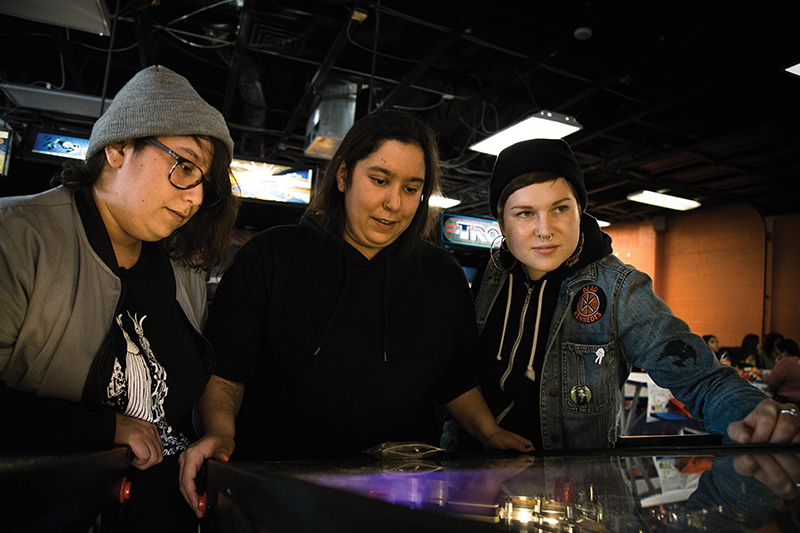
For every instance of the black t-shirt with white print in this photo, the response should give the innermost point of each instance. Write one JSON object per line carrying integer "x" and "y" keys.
{"x": 157, "y": 373}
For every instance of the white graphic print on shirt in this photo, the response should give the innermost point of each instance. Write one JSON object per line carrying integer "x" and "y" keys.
{"x": 138, "y": 386}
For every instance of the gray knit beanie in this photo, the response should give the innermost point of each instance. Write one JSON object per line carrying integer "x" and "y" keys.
{"x": 552, "y": 155}
{"x": 157, "y": 102}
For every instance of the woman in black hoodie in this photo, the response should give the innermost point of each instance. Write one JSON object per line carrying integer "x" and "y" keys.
{"x": 339, "y": 333}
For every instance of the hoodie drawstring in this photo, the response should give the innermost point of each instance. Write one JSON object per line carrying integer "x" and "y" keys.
{"x": 339, "y": 305}
{"x": 530, "y": 373}
{"x": 386, "y": 311}
{"x": 336, "y": 308}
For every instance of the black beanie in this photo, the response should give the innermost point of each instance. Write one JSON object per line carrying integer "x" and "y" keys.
{"x": 550, "y": 155}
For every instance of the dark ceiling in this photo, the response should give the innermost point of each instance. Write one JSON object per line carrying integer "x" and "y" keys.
{"x": 689, "y": 97}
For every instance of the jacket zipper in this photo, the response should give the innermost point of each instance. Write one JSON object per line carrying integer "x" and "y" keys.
{"x": 518, "y": 340}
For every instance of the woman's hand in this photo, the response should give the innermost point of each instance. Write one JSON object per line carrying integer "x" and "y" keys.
{"x": 769, "y": 423}
{"x": 191, "y": 460}
{"x": 218, "y": 408}
{"x": 471, "y": 411}
{"x": 506, "y": 440}
{"x": 142, "y": 438}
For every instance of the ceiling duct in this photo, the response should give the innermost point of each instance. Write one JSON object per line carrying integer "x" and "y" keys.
{"x": 276, "y": 33}
{"x": 331, "y": 119}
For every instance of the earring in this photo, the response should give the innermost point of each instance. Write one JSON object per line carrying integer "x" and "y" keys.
{"x": 577, "y": 255}
{"x": 503, "y": 248}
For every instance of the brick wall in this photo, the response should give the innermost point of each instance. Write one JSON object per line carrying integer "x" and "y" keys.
{"x": 718, "y": 271}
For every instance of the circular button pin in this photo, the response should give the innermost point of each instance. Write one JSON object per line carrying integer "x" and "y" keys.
{"x": 581, "y": 394}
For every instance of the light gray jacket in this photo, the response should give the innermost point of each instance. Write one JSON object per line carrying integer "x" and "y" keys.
{"x": 58, "y": 296}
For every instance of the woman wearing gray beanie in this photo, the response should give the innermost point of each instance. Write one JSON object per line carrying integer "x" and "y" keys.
{"x": 104, "y": 293}
{"x": 563, "y": 321}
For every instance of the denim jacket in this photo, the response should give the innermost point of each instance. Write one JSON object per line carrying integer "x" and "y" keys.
{"x": 606, "y": 321}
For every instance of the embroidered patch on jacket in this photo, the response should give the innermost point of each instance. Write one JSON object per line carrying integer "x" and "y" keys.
{"x": 679, "y": 350}
{"x": 590, "y": 304}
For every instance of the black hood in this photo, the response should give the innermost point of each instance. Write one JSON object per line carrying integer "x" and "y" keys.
{"x": 594, "y": 244}
{"x": 351, "y": 257}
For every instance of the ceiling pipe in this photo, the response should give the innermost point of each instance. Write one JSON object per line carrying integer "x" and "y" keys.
{"x": 317, "y": 81}
{"x": 143, "y": 25}
{"x": 238, "y": 59}
{"x": 455, "y": 34}
{"x": 107, "y": 72}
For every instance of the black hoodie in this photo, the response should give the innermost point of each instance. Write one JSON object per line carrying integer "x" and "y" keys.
{"x": 339, "y": 353}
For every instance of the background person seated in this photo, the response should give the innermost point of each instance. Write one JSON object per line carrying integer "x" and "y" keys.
{"x": 767, "y": 351}
{"x": 785, "y": 377}
{"x": 713, "y": 343}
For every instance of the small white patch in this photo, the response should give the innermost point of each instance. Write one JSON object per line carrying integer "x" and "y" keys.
{"x": 600, "y": 353}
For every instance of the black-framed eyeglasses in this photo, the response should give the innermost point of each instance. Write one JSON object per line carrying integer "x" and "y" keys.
{"x": 184, "y": 174}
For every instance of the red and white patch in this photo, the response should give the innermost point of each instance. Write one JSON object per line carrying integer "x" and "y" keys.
{"x": 589, "y": 305}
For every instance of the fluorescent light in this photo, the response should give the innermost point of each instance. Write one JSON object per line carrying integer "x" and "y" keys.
{"x": 32, "y": 97}
{"x": 85, "y": 15}
{"x": 542, "y": 125}
{"x": 794, "y": 69}
{"x": 663, "y": 200}
{"x": 441, "y": 201}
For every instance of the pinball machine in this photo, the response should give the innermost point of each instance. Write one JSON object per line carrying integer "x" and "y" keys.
{"x": 653, "y": 484}
{"x": 647, "y": 484}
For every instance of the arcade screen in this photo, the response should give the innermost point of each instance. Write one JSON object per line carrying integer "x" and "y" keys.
{"x": 5, "y": 150}
{"x": 260, "y": 180}
{"x": 60, "y": 145}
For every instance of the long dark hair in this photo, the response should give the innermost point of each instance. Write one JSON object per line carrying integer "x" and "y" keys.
{"x": 789, "y": 346}
{"x": 365, "y": 137}
{"x": 749, "y": 345}
{"x": 205, "y": 240}
{"x": 770, "y": 339}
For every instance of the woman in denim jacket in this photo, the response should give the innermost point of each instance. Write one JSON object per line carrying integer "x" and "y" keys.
{"x": 563, "y": 321}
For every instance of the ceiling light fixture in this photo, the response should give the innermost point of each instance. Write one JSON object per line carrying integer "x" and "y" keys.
{"x": 43, "y": 99}
{"x": 85, "y": 15}
{"x": 794, "y": 69}
{"x": 444, "y": 203}
{"x": 663, "y": 200}
{"x": 542, "y": 125}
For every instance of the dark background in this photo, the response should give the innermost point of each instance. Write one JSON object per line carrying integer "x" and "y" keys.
{"x": 689, "y": 97}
